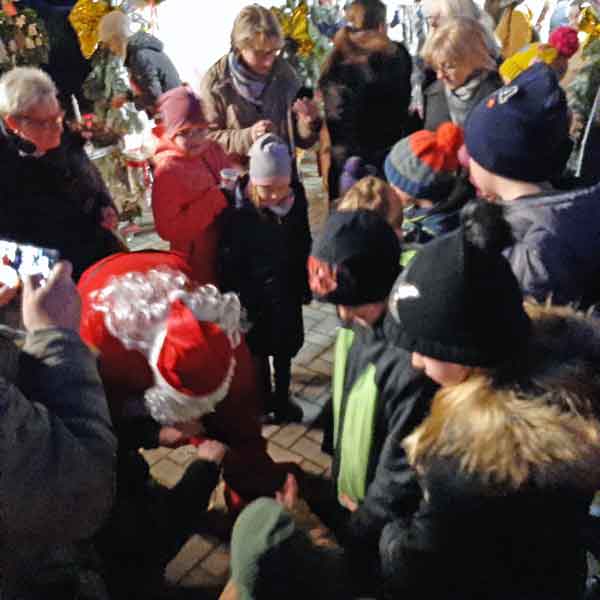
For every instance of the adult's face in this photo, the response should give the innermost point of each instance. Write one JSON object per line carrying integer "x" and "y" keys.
{"x": 41, "y": 124}
{"x": 442, "y": 372}
{"x": 453, "y": 74}
{"x": 260, "y": 55}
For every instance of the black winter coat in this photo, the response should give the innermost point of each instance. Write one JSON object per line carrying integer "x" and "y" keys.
{"x": 150, "y": 69}
{"x": 55, "y": 201}
{"x": 366, "y": 90}
{"x": 435, "y": 104}
{"x": 263, "y": 257}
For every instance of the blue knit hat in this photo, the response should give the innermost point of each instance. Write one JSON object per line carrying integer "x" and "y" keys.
{"x": 521, "y": 131}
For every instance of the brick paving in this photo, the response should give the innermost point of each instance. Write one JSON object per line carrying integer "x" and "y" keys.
{"x": 203, "y": 561}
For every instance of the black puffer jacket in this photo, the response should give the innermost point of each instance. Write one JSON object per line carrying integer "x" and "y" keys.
{"x": 55, "y": 201}
{"x": 366, "y": 89}
{"x": 150, "y": 69}
{"x": 263, "y": 258}
{"x": 510, "y": 463}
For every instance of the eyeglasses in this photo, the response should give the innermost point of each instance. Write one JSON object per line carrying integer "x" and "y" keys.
{"x": 447, "y": 68}
{"x": 49, "y": 123}
{"x": 264, "y": 54}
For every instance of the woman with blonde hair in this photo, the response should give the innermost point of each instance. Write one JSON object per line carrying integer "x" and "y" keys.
{"x": 466, "y": 72}
{"x": 508, "y": 458}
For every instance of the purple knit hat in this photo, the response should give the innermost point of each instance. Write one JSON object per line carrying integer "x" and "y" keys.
{"x": 270, "y": 161}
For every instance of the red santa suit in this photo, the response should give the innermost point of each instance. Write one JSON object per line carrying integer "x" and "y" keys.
{"x": 177, "y": 346}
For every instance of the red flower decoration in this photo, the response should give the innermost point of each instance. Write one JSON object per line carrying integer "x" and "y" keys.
{"x": 322, "y": 277}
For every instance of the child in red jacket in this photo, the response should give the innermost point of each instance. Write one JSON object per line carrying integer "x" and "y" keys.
{"x": 186, "y": 199}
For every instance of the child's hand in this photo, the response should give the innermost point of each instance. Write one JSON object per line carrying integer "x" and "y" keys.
{"x": 212, "y": 451}
{"x": 260, "y": 128}
{"x": 288, "y": 495}
{"x": 179, "y": 434}
{"x": 348, "y": 503}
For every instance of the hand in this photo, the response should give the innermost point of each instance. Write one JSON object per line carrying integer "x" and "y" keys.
{"x": 306, "y": 110}
{"x": 260, "y": 128}
{"x": 212, "y": 451}
{"x": 348, "y": 503}
{"x": 56, "y": 304}
{"x": 178, "y": 435}
{"x": 7, "y": 293}
{"x": 288, "y": 495}
{"x": 110, "y": 218}
{"x": 118, "y": 101}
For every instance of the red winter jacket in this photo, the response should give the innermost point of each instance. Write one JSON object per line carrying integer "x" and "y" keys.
{"x": 186, "y": 200}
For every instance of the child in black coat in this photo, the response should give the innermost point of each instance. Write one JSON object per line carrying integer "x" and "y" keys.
{"x": 264, "y": 247}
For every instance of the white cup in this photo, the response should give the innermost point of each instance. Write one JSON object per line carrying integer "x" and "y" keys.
{"x": 229, "y": 178}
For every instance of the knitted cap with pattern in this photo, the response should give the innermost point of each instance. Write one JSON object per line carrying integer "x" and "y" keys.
{"x": 423, "y": 165}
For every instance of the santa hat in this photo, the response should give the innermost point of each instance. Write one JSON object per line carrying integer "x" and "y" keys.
{"x": 187, "y": 335}
{"x": 192, "y": 356}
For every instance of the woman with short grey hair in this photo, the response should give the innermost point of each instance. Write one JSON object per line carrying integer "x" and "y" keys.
{"x": 252, "y": 90}
{"x": 51, "y": 194}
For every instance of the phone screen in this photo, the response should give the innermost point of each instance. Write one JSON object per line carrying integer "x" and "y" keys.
{"x": 18, "y": 260}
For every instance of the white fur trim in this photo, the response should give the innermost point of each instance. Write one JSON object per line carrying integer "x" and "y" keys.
{"x": 169, "y": 406}
{"x": 207, "y": 303}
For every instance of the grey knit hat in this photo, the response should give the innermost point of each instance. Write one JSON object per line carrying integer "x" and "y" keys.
{"x": 270, "y": 161}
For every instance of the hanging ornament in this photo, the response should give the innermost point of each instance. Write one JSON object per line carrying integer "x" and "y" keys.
{"x": 589, "y": 23}
{"x": 84, "y": 19}
{"x": 295, "y": 27}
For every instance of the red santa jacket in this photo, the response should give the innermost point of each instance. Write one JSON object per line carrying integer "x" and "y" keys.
{"x": 247, "y": 469}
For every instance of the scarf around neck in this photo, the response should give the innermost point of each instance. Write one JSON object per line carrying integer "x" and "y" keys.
{"x": 247, "y": 84}
{"x": 460, "y": 100}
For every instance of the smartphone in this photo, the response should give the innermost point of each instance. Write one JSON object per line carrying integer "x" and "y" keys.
{"x": 18, "y": 260}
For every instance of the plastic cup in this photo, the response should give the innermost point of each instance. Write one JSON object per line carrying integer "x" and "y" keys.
{"x": 229, "y": 178}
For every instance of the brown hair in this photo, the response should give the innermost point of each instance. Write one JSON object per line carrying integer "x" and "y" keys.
{"x": 375, "y": 194}
{"x": 460, "y": 40}
{"x": 255, "y": 24}
{"x": 366, "y": 14}
{"x": 502, "y": 438}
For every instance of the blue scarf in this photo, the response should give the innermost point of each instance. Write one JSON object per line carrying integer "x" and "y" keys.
{"x": 247, "y": 84}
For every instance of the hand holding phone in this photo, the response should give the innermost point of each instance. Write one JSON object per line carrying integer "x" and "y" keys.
{"x": 18, "y": 260}
{"x": 55, "y": 304}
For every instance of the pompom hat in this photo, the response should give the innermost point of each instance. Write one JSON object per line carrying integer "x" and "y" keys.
{"x": 423, "y": 165}
{"x": 270, "y": 161}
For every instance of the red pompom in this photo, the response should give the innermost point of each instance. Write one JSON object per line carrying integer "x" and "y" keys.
{"x": 565, "y": 40}
{"x": 449, "y": 138}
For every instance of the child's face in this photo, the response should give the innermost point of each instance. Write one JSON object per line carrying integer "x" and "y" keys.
{"x": 192, "y": 140}
{"x": 272, "y": 195}
{"x": 483, "y": 180}
{"x": 444, "y": 373}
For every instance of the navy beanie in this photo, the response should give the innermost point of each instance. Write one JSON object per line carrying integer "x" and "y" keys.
{"x": 521, "y": 131}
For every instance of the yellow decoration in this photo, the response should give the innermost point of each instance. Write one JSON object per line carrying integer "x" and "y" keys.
{"x": 590, "y": 24}
{"x": 84, "y": 19}
{"x": 514, "y": 31}
{"x": 518, "y": 62}
{"x": 295, "y": 26}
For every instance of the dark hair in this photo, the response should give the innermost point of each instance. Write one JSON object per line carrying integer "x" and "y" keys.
{"x": 374, "y": 13}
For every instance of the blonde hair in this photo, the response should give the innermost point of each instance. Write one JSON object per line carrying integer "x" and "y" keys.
{"x": 255, "y": 24}
{"x": 23, "y": 87}
{"x": 460, "y": 40}
{"x": 500, "y": 437}
{"x": 372, "y": 193}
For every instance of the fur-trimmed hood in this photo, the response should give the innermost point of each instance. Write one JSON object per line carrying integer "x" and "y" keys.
{"x": 533, "y": 421}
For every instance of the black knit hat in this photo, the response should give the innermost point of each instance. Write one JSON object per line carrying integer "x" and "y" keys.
{"x": 356, "y": 259}
{"x": 458, "y": 300}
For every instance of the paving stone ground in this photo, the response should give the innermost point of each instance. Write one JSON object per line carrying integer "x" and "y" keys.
{"x": 203, "y": 561}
